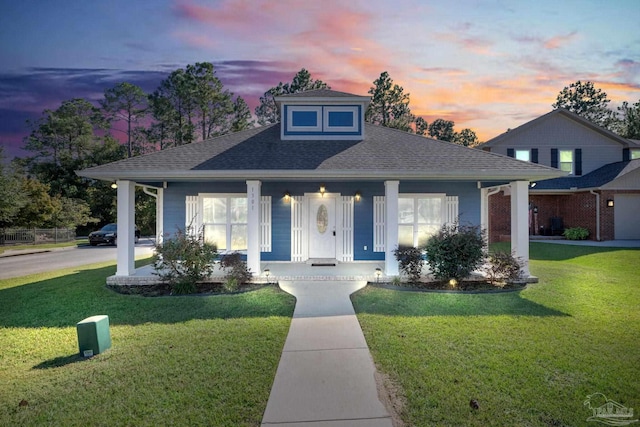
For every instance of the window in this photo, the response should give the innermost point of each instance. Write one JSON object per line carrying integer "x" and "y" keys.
{"x": 634, "y": 154}
{"x": 419, "y": 217}
{"x": 565, "y": 158}
{"x": 225, "y": 221}
{"x": 523, "y": 155}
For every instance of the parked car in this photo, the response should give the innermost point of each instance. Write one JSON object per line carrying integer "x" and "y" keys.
{"x": 109, "y": 235}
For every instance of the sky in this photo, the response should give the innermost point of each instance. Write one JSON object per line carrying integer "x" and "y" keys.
{"x": 486, "y": 65}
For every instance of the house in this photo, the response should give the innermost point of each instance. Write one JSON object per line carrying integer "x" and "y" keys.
{"x": 320, "y": 185}
{"x": 601, "y": 191}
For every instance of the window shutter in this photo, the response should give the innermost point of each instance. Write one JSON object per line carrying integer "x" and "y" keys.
{"x": 554, "y": 158}
{"x": 378, "y": 223}
{"x": 626, "y": 154}
{"x": 511, "y": 152}
{"x": 297, "y": 228}
{"x": 452, "y": 210}
{"x": 346, "y": 223}
{"x": 192, "y": 221}
{"x": 534, "y": 155}
{"x": 265, "y": 224}
{"x": 578, "y": 161}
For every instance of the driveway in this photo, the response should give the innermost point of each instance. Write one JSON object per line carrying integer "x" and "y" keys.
{"x": 55, "y": 259}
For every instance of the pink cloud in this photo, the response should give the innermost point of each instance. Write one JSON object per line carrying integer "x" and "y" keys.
{"x": 560, "y": 40}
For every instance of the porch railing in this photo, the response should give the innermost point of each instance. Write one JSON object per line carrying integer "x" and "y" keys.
{"x": 16, "y": 236}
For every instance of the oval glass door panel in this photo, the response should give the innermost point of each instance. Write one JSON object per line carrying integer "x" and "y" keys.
{"x": 322, "y": 219}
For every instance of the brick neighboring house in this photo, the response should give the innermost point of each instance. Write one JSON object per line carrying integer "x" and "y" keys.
{"x": 601, "y": 191}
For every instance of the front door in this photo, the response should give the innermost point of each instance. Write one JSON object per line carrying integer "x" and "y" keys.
{"x": 322, "y": 227}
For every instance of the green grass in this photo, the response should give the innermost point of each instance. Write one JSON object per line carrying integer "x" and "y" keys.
{"x": 530, "y": 358}
{"x": 77, "y": 242}
{"x": 174, "y": 360}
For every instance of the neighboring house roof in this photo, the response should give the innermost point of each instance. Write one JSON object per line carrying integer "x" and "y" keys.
{"x": 602, "y": 177}
{"x": 259, "y": 153}
{"x": 320, "y": 93}
{"x": 560, "y": 111}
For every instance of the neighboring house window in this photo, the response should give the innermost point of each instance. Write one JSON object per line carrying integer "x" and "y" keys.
{"x": 419, "y": 217}
{"x": 565, "y": 162}
{"x": 523, "y": 155}
{"x": 635, "y": 154}
{"x": 225, "y": 221}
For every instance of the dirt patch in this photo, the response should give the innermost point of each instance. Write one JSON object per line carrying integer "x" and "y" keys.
{"x": 391, "y": 395}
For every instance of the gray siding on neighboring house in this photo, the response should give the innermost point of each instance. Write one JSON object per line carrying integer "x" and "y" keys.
{"x": 563, "y": 133}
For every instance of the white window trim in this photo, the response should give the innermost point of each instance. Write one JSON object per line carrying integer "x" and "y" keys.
{"x": 202, "y": 196}
{"x": 299, "y": 108}
{"x": 573, "y": 160}
{"x": 352, "y": 110}
{"x": 415, "y": 224}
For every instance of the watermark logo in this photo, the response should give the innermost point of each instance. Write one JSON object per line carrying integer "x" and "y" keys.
{"x": 608, "y": 412}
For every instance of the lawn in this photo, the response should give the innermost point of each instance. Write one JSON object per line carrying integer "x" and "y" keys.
{"x": 188, "y": 360}
{"x": 529, "y": 358}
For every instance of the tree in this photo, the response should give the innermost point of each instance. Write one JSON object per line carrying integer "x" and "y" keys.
{"x": 241, "y": 116}
{"x": 126, "y": 102}
{"x": 629, "y": 123}
{"x": 585, "y": 100}
{"x": 70, "y": 213}
{"x": 190, "y": 101}
{"x": 466, "y": 137}
{"x": 389, "y": 105}
{"x": 421, "y": 126}
{"x": 442, "y": 129}
{"x": 268, "y": 113}
{"x": 12, "y": 196}
{"x": 40, "y": 206}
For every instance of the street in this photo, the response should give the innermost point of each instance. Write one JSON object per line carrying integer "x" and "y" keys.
{"x": 22, "y": 265}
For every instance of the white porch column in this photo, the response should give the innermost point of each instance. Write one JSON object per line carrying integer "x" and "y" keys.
{"x": 253, "y": 226}
{"x": 125, "y": 252}
{"x": 484, "y": 209}
{"x": 520, "y": 223}
{"x": 391, "y": 192}
{"x": 159, "y": 215}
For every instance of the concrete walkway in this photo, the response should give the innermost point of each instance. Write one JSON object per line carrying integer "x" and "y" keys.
{"x": 326, "y": 374}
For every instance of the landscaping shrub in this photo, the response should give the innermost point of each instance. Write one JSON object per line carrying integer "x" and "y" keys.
{"x": 184, "y": 260}
{"x": 455, "y": 251}
{"x": 576, "y": 233}
{"x": 236, "y": 271}
{"x": 411, "y": 262}
{"x": 501, "y": 267}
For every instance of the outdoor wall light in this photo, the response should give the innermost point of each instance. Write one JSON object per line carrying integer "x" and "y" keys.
{"x": 287, "y": 196}
{"x": 323, "y": 189}
{"x": 358, "y": 196}
{"x": 114, "y": 185}
{"x": 609, "y": 203}
{"x": 533, "y": 184}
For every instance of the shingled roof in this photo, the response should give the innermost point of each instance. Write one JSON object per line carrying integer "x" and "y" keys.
{"x": 595, "y": 179}
{"x": 259, "y": 153}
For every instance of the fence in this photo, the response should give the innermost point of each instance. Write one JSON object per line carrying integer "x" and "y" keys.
{"x": 14, "y": 236}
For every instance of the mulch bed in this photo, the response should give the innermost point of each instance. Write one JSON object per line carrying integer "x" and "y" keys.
{"x": 164, "y": 289}
{"x": 466, "y": 286}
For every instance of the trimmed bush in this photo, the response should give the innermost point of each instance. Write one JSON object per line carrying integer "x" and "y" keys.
{"x": 184, "y": 260}
{"x": 576, "y": 233}
{"x": 502, "y": 267}
{"x": 236, "y": 271}
{"x": 411, "y": 262}
{"x": 455, "y": 251}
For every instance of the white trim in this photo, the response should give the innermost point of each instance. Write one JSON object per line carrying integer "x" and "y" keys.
{"x": 332, "y": 109}
{"x": 192, "y": 219}
{"x": 304, "y": 109}
{"x": 520, "y": 223}
{"x": 299, "y": 250}
{"x": 344, "y": 228}
{"x": 451, "y": 216}
{"x": 200, "y": 216}
{"x": 391, "y": 189}
{"x": 254, "y": 208}
{"x": 125, "y": 253}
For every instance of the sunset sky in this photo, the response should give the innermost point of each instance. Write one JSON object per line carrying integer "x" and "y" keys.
{"x": 487, "y": 65}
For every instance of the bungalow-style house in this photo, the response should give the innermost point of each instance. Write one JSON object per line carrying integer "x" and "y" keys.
{"x": 321, "y": 185}
{"x": 600, "y": 193}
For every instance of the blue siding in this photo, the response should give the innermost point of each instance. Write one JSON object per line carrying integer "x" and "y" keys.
{"x": 174, "y": 207}
{"x": 304, "y": 118}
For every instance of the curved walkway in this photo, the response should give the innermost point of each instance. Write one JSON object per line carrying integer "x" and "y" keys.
{"x": 326, "y": 373}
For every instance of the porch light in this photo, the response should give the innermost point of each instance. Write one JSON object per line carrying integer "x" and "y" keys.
{"x": 378, "y": 274}
{"x": 287, "y": 196}
{"x": 114, "y": 185}
{"x": 533, "y": 184}
{"x": 358, "y": 196}
{"x": 609, "y": 203}
{"x": 323, "y": 189}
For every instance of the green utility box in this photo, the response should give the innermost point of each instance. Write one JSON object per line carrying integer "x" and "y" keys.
{"x": 93, "y": 335}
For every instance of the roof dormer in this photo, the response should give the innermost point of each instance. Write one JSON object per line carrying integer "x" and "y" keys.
{"x": 322, "y": 114}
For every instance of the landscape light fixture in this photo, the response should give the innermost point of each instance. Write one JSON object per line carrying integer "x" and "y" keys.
{"x": 114, "y": 185}
{"x": 267, "y": 273}
{"x": 378, "y": 274}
